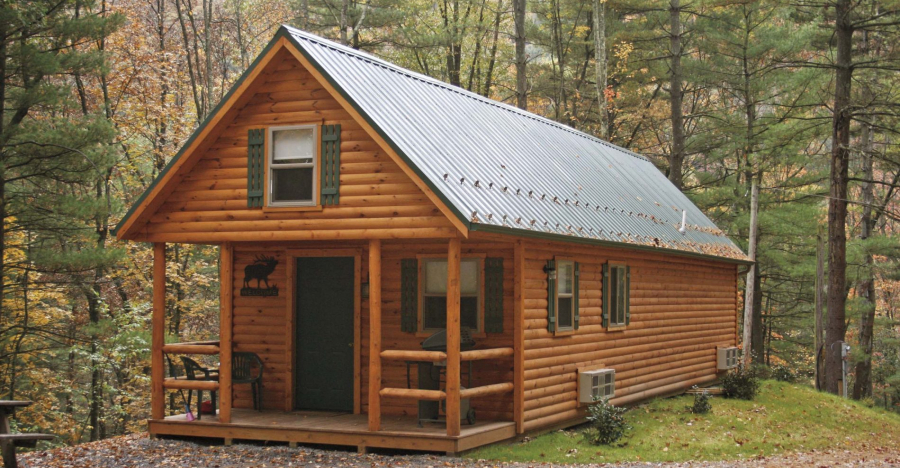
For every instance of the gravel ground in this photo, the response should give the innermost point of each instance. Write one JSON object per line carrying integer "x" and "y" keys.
{"x": 140, "y": 451}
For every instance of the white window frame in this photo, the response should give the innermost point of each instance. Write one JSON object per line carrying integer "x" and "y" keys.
{"x": 617, "y": 310}
{"x": 570, "y": 295}
{"x": 270, "y": 160}
{"x": 479, "y": 291}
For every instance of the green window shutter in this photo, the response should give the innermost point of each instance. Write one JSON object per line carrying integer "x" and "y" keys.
{"x": 605, "y": 295}
{"x": 575, "y": 295}
{"x": 627, "y": 295}
{"x": 493, "y": 295}
{"x": 256, "y": 158}
{"x": 331, "y": 164}
{"x": 409, "y": 295}
{"x": 551, "y": 295}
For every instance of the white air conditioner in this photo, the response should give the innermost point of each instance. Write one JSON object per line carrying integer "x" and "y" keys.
{"x": 596, "y": 384}
{"x": 727, "y": 358}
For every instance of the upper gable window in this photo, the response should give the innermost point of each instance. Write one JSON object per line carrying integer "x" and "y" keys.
{"x": 293, "y": 156}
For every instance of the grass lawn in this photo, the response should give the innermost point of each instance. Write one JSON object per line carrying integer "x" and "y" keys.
{"x": 783, "y": 418}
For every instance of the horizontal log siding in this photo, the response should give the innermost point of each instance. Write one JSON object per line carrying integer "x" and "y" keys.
{"x": 259, "y": 328}
{"x": 376, "y": 198}
{"x": 681, "y": 309}
{"x": 490, "y": 407}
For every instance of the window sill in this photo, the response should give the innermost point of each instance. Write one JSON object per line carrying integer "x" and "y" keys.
{"x": 426, "y": 333}
{"x": 566, "y": 332}
{"x": 616, "y": 328}
{"x": 268, "y": 209}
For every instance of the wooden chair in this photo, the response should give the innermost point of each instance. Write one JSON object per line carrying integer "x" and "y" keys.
{"x": 194, "y": 371}
{"x": 8, "y": 441}
{"x": 242, "y": 365}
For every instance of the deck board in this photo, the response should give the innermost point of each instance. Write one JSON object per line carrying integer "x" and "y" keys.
{"x": 336, "y": 429}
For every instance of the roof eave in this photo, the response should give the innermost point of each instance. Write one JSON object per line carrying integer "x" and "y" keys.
{"x": 489, "y": 228}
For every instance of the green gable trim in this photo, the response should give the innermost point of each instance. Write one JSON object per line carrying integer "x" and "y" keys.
{"x": 421, "y": 175}
{"x": 281, "y": 33}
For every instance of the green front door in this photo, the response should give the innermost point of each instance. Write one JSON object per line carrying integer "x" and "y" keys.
{"x": 323, "y": 377}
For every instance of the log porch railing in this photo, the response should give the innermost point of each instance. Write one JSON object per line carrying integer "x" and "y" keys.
{"x": 158, "y": 349}
{"x": 452, "y": 392}
{"x": 206, "y": 348}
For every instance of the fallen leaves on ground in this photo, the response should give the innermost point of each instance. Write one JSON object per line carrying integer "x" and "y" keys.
{"x": 138, "y": 450}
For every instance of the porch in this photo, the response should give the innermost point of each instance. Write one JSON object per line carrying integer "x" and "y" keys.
{"x": 342, "y": 429}
{"x": 379, "y": 414}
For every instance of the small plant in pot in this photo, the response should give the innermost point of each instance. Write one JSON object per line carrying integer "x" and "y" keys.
{"x": 607, "y": 423}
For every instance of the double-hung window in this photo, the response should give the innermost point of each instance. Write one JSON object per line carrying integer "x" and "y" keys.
{"x": 616, "y": 292}
{"x": 565, "y": 295}
{"x": 434, "y": 294}
{"x": 292, "y": 161}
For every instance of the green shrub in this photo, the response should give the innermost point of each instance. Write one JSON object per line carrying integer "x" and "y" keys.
{"x": 607, "y": 423}
{"x": 783, "y": 373}
{"x": 702, "y": 403}
{"x": 741, "y": 383}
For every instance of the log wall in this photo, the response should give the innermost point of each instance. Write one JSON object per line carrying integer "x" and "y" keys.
{"x": 259, "y": 326}
{"x": 377, "y": 199}
{"x": 681, "y": 310}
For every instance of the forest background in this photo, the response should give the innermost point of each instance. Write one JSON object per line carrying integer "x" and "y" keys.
{"x": 795, "y": 102}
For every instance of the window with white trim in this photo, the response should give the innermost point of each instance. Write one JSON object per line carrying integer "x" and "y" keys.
{"x": 292, "y": 161}
{"x": 434, "y": 294}
{"x": 565, "y": 295}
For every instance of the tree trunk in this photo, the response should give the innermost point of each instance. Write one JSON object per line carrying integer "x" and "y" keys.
{"x": 600, "y": 59}
{"x": 521, "y": 79}
{"x": 862, "y": 386}
{"x": 819, "y": 318}
{"x": 836, "y": 325}
{"x": 345, "y": 6}
{"x": 749, "y": 297}
{"x": 757, "y": 345}
{"x": 676, "y": 96}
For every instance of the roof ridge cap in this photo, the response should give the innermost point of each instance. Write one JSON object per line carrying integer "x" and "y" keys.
{"x": 455, "y": 89}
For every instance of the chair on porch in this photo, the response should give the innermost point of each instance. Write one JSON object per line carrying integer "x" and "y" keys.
{"x": 242, "y": 365}
{"x": 194, "y": 371}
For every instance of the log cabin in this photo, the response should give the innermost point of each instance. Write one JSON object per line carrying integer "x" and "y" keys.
{"x": 420, "y": 267}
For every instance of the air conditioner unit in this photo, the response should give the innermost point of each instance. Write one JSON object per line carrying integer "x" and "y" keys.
{"x": 727, "y": 358}
{"x": 596, "y": 384}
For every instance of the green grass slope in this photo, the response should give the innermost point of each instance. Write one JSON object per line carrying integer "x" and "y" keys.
{"x": 783, "y": 418}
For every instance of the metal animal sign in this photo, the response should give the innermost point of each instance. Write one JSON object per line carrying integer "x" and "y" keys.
{"x": 259, "y": 271}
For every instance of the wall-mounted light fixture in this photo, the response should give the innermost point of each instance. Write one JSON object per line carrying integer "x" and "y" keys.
{"x": 364, "y": 289}
{"x": 550, "y": 269}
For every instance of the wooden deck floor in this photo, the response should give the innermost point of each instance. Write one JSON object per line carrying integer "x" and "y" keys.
{"x": 336, "y": 429}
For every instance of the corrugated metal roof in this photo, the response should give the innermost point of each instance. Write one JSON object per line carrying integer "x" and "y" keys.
{"x": 499, "y": 166}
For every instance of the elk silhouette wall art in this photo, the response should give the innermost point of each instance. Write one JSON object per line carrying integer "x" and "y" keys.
{"x": 259, "y": 272}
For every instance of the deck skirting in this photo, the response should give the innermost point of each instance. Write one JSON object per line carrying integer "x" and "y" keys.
{"x": 335, "y": 429}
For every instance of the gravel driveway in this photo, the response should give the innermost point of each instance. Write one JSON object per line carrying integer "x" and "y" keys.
{"x": 140, "y": 451}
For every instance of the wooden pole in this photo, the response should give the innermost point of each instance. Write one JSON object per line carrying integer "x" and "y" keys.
{"x": 519, "y": 336}
{"x": 374, "y": 335}
{"x": 158, "y": 337}
{"x": 226, "y": 315}
{"x": 453, "y": 332}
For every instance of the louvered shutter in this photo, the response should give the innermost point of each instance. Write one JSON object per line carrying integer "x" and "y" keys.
{"x": 409, "y": 295}
{"x": 551, "y": 296}
{"x": 605, "y": 295}
{"x": 627, "y": 295}
{"x": 331, "y": 164}
{"x": 575, "y": 295}
{"x": 493, "y": 295}
{"x": 256, "y": 158}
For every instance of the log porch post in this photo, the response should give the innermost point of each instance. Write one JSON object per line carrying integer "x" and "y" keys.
{"x": 158, "y": 333}
{"x": 374, "y": 335}
{"x": 453, "y": 332}
{"x": 226, "y": 313}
